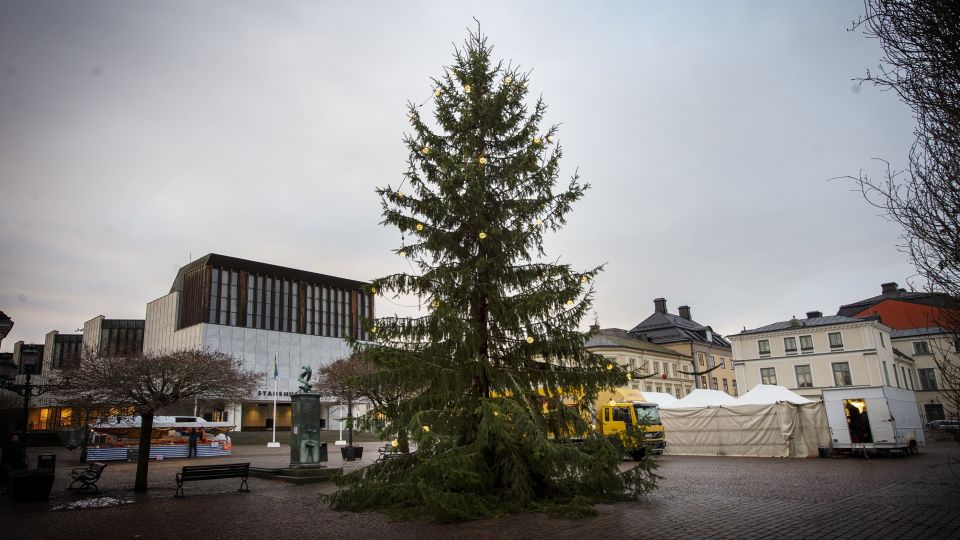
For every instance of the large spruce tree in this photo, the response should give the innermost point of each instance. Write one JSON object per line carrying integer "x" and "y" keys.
{"x": 497, "y": 380}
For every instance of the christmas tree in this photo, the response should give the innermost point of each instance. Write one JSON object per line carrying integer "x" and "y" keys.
{"x": 497, "y": 383}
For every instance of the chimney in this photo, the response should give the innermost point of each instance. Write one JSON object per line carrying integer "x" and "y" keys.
{"x": 659, "y": 305}
{"x": 684, "y": 312}
{"x": 814, "y": 314}
{"x": 888, "y": 289}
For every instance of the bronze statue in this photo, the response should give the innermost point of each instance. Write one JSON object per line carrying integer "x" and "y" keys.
{"x": 305, "y": 373}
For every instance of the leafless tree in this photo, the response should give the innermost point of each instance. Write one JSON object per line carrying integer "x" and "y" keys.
{"x": 369, "y": 374}
{"x": 147, "y": 383}
{"x": 921, "y": 63}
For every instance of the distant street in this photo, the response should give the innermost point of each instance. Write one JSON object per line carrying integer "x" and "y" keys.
{"x": 699, "y": 497}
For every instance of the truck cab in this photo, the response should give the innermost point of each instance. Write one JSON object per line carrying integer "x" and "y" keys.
{"x": 624, "y": 408}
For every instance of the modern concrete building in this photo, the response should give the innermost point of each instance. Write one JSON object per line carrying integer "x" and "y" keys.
{"x": 664, "y": 364}
{"x": 258, "y": 312}
{"x": 681, "y": 334}
{"x": 808, "y": 355}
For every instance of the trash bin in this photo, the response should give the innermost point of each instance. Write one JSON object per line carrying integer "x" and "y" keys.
{"x": 47, "y": 462}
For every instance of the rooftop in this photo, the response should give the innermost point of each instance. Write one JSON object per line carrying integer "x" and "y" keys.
{"x": 891, "y": 291}
{"x": 663, "y": 327}
{"x": 609, "y": 338}
{"x": 812, "y": 322}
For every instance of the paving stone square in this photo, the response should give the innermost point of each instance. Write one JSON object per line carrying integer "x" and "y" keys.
{"x": 699, "y": 497}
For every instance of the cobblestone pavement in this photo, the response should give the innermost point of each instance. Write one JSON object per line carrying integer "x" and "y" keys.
{"x": 699, "y": 497}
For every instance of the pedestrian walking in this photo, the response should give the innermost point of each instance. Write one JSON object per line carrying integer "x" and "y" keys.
{"x": 193, "y": 437}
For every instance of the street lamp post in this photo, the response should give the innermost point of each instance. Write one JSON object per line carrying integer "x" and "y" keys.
{"x": 26, "y": 390}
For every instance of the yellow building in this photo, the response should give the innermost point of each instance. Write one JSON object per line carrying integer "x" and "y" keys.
{"x": 664, "y": 365}
{"x": 681, "y": 334}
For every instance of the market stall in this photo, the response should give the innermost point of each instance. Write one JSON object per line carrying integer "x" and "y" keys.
{"x": 170, "y": 438}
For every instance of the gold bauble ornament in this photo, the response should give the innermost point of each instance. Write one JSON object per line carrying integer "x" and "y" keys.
{"x": 549, "y": 138}
{"x": 425, "y": 151}
{"x": 609, "y": 367}
{"x": 482, "y": 160}
{"x": 419, "y": 226}
{"x": 569, "y": 303}
{"x": 435, "y": 304}
{"x": 483, "y": 235}
{"x": 529, "y": 339}
{"x": 373, "y": 290}
{"x": 426, "y": 429}
{"x": 526, "y": 84}
{"x": 373, "y": 329}
{"x": 508, "y": 80}
{"x": 394, "y": 443}
{"x": 402, "y": 253}
{"x": 584, "y": 279}
{"x": 399, "y": 194}
{"x": 436, "y": 94}
{"x": 538, "y": 222}
{"x": 629, "y": 377}
{"x": 495, "y": 413}
{"x": 466, "y": 89}
{"x": 536, "y": 140}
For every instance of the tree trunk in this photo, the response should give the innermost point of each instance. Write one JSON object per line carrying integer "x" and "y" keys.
{"x": 350, "y": 424}
{"x": 143, "y": 456}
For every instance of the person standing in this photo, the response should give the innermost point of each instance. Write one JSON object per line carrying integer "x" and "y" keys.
{"x": 193, "y": 437}
{"x": 12, "y": 459}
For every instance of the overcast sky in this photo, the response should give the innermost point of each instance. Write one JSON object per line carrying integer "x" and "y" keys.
{"x": 134, "y": 134}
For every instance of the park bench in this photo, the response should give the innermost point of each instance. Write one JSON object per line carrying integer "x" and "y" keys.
{"x": 87, "y": 476}
{"x": 388, "y": 452}
{"x": 213, "y": 472}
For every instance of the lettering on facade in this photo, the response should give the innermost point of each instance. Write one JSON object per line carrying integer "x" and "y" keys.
{"x": 270, "y": 393}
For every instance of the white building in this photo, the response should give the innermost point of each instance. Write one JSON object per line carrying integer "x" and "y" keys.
{"x": 808, "y": 355}
{"x": 256, "y": 312}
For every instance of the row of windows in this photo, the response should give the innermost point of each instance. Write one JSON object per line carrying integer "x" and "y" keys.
{"x": 841, "y": 375}
{"x": 902, "y": 377}
{"x": 806, "y": 344}
{"x": 710, "y": 361}
{"x": 270, "y": 303}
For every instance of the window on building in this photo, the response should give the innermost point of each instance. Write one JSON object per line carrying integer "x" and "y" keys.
{"x": 735, "y": 388}
{"x": 841, "y": 374}
{"x": 726, "y": 386}
{"x": 882, "y": 343}
{"x": 928, "y": 379}
{"x": 804, "y": 376}
{"x": 790, "y": 345}
{"x": 906, "y": 378}
{"x": 896, "y": 375}
{"x": 886, "y": 374}
{"x": 806, "y": 344}
{"x": 934, "y": 411}
{"x": 703, "y": 381}
{"x": 763, "y": 346}
{"x": 711, "y": 362}
{"x": 921, "y": 347}
{"x": 713, "y": 383}
{"x": 768, "y": 375}
{"x": 700, "y": 359}
{"x": 836, "y": 341}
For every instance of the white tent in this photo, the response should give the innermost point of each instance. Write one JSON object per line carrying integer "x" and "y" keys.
{"x": 775, "y": 424}
{"x": 660, "y": 398}
{"x": 766, "y": 394}
{"x": 702, "y": 398}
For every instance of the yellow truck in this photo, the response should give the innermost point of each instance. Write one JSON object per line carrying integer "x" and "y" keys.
{"x": 618, "y": 410}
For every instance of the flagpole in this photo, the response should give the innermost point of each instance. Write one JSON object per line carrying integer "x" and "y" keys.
{"x": 276, "y": 379}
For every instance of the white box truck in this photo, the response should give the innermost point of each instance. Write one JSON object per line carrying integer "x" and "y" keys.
{"x": 873, "y": 419}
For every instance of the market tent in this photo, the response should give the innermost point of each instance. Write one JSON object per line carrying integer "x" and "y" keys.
{"x": 773, "y": 430}
{"x": 660, "y": 398}
{"x": 766, "y": 394}
{"x": 702, "y": 397}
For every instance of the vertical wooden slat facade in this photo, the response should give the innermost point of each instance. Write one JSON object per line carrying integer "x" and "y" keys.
{"x": 276, "y": 302}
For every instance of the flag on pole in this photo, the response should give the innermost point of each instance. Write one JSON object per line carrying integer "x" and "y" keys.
{"x": 276, "y": 367}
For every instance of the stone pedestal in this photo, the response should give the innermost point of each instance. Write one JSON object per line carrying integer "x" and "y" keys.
{"x": 305, "y": 446}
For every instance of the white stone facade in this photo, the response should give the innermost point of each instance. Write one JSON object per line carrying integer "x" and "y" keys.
{"x": 256, "y": 348}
